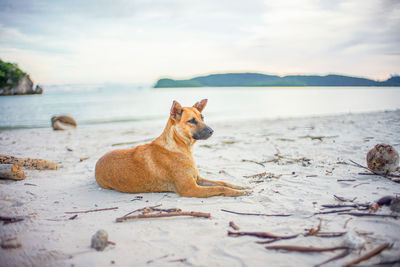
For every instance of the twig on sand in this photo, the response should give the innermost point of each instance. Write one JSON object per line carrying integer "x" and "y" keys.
{"x": 261, "y": 235}
{"x": 332, "y": 211}
{"x": 143, "y": 209}
{"x": 368, "y": 255}
{"x": 360, "y": 214}
{"x": 253, "y": 161}
{"x": 87, "y": 211}
{"x": 346, "y": 180}
{"x": 256, "y": 214}
{"x": 342, "y": 199}
{"x": 7, "y": 220}
{"x": 159, "y": 215}
{"x": 304, "y": 249}
{"x": 339, "y": 256}
{"x": 354, "y": 186}
{"x": 373, "y": 173}
{"x": 233, "y": 225}
{"x": 334, "y": 206}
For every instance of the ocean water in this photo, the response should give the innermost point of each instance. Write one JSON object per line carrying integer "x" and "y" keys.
{"x": 93, "y": 105}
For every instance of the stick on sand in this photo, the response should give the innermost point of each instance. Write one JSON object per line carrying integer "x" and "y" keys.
{"x": 159, "y": 215}
{"x": 368, "y": 255}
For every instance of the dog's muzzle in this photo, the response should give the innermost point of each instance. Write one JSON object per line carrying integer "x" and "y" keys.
{"x": 203, "y": 133}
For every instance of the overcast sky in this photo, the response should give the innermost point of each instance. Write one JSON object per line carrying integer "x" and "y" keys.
{"x": 139, "y": 41}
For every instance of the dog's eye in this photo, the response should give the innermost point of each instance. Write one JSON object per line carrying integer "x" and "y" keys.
{"x": 192, "y": 121}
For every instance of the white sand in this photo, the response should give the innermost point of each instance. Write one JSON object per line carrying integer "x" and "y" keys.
{"x": 49, "y": 238}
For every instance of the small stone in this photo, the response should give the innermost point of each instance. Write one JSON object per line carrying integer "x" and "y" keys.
{"x": 99, "y": 240}
{"x": 395, "y": 204}
{"x": 383, "y": 159}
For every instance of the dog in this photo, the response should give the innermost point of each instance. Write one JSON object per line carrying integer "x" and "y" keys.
{"x": 167, "y": 163}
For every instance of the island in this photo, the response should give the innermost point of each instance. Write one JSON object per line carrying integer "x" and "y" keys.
{"x": 14, "y": 81}
{"x": 260, "y": 80}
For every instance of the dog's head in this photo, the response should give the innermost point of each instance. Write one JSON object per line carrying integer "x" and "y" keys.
{"x": 190, "y": 121}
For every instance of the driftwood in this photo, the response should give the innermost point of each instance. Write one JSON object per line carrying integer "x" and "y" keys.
{"x": 87, "y": 211}
{"x": 35, "y": 164}
{"x": 256, "y": 214}
{"x": 304, "y": 249}
{"x": 159, "y": 215}
{"x": 368, "y": 255}
{"x": 11, "y": 171}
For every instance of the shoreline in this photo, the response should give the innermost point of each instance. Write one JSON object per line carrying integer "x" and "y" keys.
{"x": 305, "y": 177}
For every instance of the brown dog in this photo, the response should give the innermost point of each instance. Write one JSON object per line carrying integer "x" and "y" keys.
{"x": 166, "y": 164}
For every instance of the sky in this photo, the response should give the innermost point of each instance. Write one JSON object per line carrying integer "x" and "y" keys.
{"x": 140, "y": 41}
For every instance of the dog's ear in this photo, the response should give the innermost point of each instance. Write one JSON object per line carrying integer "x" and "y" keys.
{"x": 200, "y": 105}
{"x": 176, "y": 110}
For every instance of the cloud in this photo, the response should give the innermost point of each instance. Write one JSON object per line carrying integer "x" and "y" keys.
{"x": 143, "y": 40}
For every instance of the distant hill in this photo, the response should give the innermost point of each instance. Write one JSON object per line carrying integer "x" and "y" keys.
{"x": 257, "y": 79}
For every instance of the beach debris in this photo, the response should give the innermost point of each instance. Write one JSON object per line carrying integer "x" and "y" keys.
{"x": 35, "y": 164}
{"x": 7, "y": 219}
{"x": 10, "y": 243}
{"x": 234, "y": 226}
{"x": 30, "y": 184}
{"x": 383, "y": 159}
{"x": 260, "y": 177}
{"x": 284, "y": 160}
{"x": 352, "y": 240}
{"x": 253, "y": 161}
{"x": 332, "y": 211}
{"x": 11, "y": 171}
{"x": 83, "y": 159}
{"x": 137, "y": 198}
{"x": 99, "y": 240}
{"x": 160, "y": 215}
{"x": 87, "y": 211}
{"x": 304, "y": 249}
{"x": 391, "y": 176}
{"x": 368, "y": 255}
{"x": 256, "y": 214}
{"x": 63, "y": 122}
{"x": 342, "y": 199}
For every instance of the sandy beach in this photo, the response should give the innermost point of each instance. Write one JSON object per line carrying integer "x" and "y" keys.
{"x": 303, "y": 161}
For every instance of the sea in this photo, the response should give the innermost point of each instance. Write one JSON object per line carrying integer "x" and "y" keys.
{"x": 108, "y": 104}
